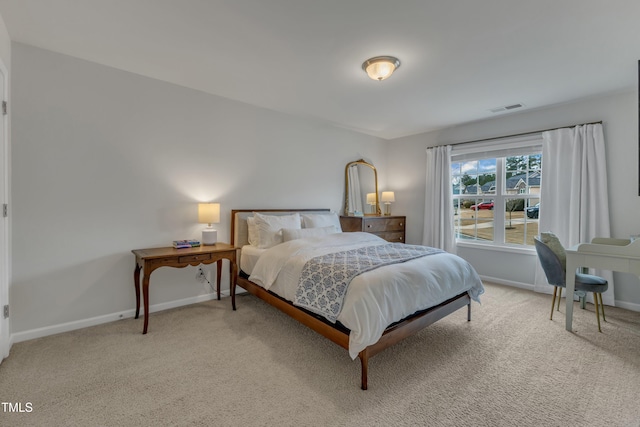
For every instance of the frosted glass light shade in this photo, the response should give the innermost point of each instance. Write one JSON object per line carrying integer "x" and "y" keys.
{"x": 380, "y": 67}
{"x": 209, "y": 213}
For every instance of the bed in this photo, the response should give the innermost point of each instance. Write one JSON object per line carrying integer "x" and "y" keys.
{"x": 381, "y": 304}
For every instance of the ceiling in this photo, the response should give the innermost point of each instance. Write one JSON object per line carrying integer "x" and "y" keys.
{"x": 459, "y": 58}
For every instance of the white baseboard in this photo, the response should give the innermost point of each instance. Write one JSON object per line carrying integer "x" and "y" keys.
{"x": 520, "y": 285}
{"x": 112, "y": 317}
{"x": 628, "y": 305}
{"x": 622, "y": 304}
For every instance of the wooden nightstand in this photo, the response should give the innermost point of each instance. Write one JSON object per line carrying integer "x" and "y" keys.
{"x": 150, "y": 259}
{"x": 390, "y": 228}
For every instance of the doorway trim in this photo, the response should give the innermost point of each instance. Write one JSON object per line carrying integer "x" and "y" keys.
{"x": 5, "y": 261}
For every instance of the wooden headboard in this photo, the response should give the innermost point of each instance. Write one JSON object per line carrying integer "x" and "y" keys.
{"x": 239, "y": 231}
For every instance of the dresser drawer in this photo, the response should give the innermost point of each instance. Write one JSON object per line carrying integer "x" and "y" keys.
{"x": 395, "y": 224}
{"x": 397, "y": 237}
{"x": 373, "y": 225}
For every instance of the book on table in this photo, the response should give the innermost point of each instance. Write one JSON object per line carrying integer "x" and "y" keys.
{"x": 181, "y": 244}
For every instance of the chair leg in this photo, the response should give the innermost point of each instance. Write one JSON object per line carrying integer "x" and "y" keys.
{"x": 559, "y": 297}
{"x": 595, "y": 301}
{"x": 602, "y": 307}
{"x": 553, "y": 301}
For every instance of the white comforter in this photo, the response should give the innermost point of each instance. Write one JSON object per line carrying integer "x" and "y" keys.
{"x": 377, "y": 298}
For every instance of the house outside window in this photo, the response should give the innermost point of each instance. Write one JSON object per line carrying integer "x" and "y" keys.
{"x": 496, "y": 199}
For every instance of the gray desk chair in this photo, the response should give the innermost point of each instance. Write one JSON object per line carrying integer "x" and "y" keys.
{"x": 556, "y": 276}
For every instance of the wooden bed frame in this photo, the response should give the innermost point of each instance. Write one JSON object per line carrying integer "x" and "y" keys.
{"x": 336, "y": 332}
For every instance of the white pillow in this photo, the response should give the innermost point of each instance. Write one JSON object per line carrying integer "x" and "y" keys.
{"x": 301, "y": 233}
{"x": 252, "y": 231}
{"x": 322, "y": 220}
{"x": 269, "y": 228}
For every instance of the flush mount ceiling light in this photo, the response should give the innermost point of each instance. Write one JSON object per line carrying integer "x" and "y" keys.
{"x": 380, "y": 67}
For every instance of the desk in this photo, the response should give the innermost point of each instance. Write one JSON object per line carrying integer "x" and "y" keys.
{"x": 150, "y": 259}
{"x": 606, "y": 254}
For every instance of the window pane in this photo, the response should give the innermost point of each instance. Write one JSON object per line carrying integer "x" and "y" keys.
{"x": 514, "y": 225}
{"x": 475, "y": 220}
{"x": 521, "y": 221}
{"x": 532, "y": 213}
{"x": 534, "y": 182}
{"x": 470, "y": 184}
{"x": 487, "y": 176}
{"x": 535, "y": 161}
{"x": 470, "y": 167}
{"x": 487, "y": 166}
{"x": 485, "y": 224}
{"x": 455, "y": 184}
{"x": 456, "y": 217}
{"x": 516, "y": 164}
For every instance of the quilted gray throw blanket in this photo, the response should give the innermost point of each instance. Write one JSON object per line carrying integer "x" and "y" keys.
{"x": 325, "y": 279}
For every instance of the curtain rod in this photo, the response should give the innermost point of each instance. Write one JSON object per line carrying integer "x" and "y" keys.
{"x": 524, "y": 133}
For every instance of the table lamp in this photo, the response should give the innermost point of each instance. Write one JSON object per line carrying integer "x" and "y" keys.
{"x": 209, "y": 213}
{"x": 388, "y": 197}
{"x": 371, "y": 200}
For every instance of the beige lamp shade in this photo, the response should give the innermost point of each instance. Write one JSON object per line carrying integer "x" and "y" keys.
{"x": 371, "y": 198}
{"x": 209, "y": 213}
{"x": 388, "y": 197}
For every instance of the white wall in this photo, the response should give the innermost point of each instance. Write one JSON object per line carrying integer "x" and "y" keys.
{"x": 5, "y": 44}
{"x": 619, "y": 113}
{"x": 106, "y": 161}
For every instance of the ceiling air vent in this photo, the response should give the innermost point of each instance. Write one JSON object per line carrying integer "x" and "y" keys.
{"x": 507, "y": 108}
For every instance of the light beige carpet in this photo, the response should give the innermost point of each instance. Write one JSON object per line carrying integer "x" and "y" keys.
{"x": 207, "y": 365}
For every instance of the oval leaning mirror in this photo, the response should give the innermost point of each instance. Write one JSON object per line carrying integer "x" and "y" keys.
{"x": 361, "y": 179}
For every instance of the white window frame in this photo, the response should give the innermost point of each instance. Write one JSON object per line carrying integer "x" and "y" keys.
{"x": 499, "y": 149}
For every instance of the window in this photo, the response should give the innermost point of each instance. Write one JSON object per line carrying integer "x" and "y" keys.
{"x": 496, "y": 199}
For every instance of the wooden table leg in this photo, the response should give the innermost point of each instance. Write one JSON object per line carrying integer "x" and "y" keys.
{"x": 570, "y": 284}
{"x": 136, "y": 283}
{"x": 145, "y": 294}
{"x": 218, "y": 277}
{"x": 232, "y": 283}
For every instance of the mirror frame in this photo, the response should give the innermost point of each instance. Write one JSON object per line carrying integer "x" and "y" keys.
{"x": 346, "y": 186}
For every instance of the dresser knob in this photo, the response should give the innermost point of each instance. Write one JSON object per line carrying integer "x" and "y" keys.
{"x": 401, "y": 224}
{"x": 368, "y": 225}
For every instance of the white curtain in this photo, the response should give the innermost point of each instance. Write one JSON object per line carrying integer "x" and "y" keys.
{"x": 574, "y": 201}
{"x": 438, "y": 203}
{"x": 355, "y": 195}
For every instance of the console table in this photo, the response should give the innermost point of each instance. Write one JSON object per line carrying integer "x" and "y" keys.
{"x": 606, "y": 254}
{"x": 150, "y": 259}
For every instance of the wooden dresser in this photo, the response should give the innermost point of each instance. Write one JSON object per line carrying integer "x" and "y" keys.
{"x": 390, "y": 228}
